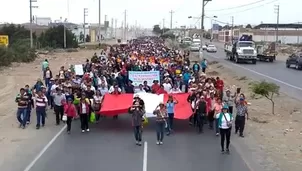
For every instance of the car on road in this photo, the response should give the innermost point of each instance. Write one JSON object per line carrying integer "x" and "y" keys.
{"x": 204, "y": 47}
{"x": 294, "y": 60}
{"x": 211, "y": 48}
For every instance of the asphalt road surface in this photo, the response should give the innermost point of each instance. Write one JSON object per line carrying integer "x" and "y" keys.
{"x": 110, "y": 146}
{"x": 289, "y": 80}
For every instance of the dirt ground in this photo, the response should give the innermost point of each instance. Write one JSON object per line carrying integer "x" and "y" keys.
{"x": 12, "y": 138}
{"x": 279, "y": 135}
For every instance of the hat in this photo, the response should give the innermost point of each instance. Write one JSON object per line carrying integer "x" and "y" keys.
{"x": 161, "y": 103}
{"x": 136, "y": 96}
{"x": 69, "y": 99}
{"x": 225, "y": 107}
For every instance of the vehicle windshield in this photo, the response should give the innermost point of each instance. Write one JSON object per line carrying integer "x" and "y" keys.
{"x": 246, "y": 44}
{"x": 211, "y": 46}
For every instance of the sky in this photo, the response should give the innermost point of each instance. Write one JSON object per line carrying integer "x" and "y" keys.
{"x": 147, "y": 13}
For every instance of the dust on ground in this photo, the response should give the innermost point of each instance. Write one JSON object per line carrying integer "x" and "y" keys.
{"x": 279, "y": 135}
{"x": 12, "y": 138}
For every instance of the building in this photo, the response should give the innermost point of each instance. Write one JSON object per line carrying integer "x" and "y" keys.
{"x": 42, "y": 21}
{"x": 287, "y": 33}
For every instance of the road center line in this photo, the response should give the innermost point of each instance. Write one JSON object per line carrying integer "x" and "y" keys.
{"x": 145, "y": 158}
{"x": 44, "y": 149}
{"x": 258, "y": 73}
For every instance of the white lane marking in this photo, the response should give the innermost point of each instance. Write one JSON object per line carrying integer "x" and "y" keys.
{"x": 263, "y": 75}
{"x": 145, "y": 158}
{"x": 44, "y": 149}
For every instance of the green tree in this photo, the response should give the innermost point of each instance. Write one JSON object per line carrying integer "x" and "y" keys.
{"x": 54, "y": 37}
{"x": 267, "y": 90}
{"x": 15, "y": 33}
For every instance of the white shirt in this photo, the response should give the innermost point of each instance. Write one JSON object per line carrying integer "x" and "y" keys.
{"x": 84, "y": 110}
{"x": 224, "y": 121}
{"x": 53, "y": 87}
{"x": 175, "y": 91}
{"x": 139, "y": 91}
{"x": 111, "y": 89}
{"x": 167, "y": 87}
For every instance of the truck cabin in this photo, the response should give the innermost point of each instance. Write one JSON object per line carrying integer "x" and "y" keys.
{"x": 244, "y": 44}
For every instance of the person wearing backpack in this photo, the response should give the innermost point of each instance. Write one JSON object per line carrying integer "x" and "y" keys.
{"x": 225, "y": 120}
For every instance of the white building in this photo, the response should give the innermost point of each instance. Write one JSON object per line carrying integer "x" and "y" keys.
{"x": 43, "y": 21}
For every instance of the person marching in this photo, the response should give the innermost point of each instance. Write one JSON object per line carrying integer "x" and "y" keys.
{"x": 170, "y": 105}
{"x": 41, "y": 104}
{"x": 225, "y": 120}
{"x": 161, "y": 122}
{"x": 201, "y": 113}
{"x": 84, "y": 112}
{"x": 241, "y": 115}
{"x": 71, "y": 112}
{"x": 22, "y": 100}
{"x": 137, "y": 112}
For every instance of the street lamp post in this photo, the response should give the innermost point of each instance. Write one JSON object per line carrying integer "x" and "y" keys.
{"x": 31, "y": 21}
{"x": 84, "y": 25}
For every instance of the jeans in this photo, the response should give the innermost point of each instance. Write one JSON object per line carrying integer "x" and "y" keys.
{"x": 239, "y": 124}
{"x": 47, "y": 81}
{"x": 69, "y": 120}
{"x": 50, "y": 100}
{"x": 22, "y": 116}
{"x": 200, "y": 121}
{"x": 41, "y": 113}
{"x": 216, "y": 126}
{"x": 160, "y": 126}
{"x": 137, "y": 133}
{"x": 28, "y": 111}
{"x": 225, "y": 135}
{"x": 84, "y": 121}
{"x": 59, "y": 110}
{"x": 170, "y": 122}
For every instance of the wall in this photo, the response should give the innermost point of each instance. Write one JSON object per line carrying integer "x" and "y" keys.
{"x": 283, "y": 39}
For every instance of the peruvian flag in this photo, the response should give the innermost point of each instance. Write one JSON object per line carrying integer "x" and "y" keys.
{"x": 119, "y": 104}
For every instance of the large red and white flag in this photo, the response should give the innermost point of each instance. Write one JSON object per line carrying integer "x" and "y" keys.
{"x": 119, "y": 104}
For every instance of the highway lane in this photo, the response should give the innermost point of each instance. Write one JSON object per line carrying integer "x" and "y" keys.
{"x": 110, "y": 147}
{"x": 289, "y": 80}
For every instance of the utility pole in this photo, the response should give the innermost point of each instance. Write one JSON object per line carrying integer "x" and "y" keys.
{"x": 232, "y": 32}
{"x": 111, "y": 28}
{"x": 277, "y": 10}
{"x": 64, "y": 24}
{"x": 204, "y": 3}
{"x": 125, "y": 26}
{"x": 171, "y": 19}
{"x": 84, "y": 25}
{"x": 163, "y": 26}
{"x": 99, "y": 32}
{"x": 106, "y": 26}
{"x": 115, "y": 27}
{"x": 31, "y": 21}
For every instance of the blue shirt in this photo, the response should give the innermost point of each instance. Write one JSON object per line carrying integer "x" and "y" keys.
{"x": 186, "y": 77}
{"x": 170, "y": 107}
{"x": 203, "y": 64}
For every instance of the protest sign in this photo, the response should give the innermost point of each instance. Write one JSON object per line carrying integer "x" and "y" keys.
{"x": 138, "y": 77}
{"x": 79, "y": 70}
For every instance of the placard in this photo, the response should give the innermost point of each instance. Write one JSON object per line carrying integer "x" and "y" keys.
{"x": 138, "y": 77}
{"x": 79, "y": 70}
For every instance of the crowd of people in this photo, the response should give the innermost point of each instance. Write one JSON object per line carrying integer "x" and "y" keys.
{"x": 74, "y": 96}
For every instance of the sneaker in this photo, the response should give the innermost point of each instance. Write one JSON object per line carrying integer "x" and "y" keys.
{"x": 217, "y": 134}
{"x": 43, "y": 125}
{"x": 139, "y": 143}
{"x": 37, "y": 127}
{"x": 227, "y": 151}
{"x": 222, "y": 151}
{"x": 136, "y": 142}
{"x": 157, "y": 143}
{"x": 68, "y": 132}
{"x": 20, "y": 125}
{"x": 87, "y": 130}
{"x": 242, "y": 136}
{"x": 27, "y": 122}
{"x": 83, "y": 131}
{"x": 161, "y": 143}
{"x": 23, "y": 127}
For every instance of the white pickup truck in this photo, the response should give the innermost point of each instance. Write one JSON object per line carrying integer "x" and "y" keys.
{"x": 241, "y": 51}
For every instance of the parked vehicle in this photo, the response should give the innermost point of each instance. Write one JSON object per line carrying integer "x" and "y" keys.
{"x": 266, "y": 51}
{"x": 211, "y": 48}
{"x": 195, "y": 47}
{"x": 204, "y": 47}
{"x": 241, "y": 51}
{"x": 294, "y": 60}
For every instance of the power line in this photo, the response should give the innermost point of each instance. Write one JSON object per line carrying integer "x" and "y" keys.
{"x": 240, "y": 6}
{"x": 248, "y": 9}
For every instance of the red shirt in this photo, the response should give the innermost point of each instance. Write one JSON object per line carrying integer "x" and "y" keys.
{"x": 161, "y": 91}
{"x": 155, "y": 88}
{"x": 70, "y": 110}
{"x": 219, "y": 84}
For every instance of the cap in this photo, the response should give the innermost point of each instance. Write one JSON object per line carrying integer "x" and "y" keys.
{"x": 69, "y": 99}
{"x": 225, "y": 107}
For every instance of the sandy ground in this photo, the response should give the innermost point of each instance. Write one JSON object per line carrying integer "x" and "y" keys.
{"x": 12, "y": 138}
{"x": 279, "y": 135}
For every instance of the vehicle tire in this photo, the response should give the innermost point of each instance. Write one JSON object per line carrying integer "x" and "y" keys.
{"x": 271, "y": 60}
{"x": 254, "y": 61}
{"x": 297, "y": 67}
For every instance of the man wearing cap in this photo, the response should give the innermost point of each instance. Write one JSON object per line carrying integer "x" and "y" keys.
{"x": 58, "y": 98}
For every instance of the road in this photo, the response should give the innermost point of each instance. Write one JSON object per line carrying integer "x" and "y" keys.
{"x": 289, "y": 80}
{"x": 110, "y": 147}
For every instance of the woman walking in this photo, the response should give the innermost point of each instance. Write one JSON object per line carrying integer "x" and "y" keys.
{"x": 71, "y": 112}
{"x": 84, "y": 112}
{"x": 137, "y": 113}
{"x": 217, "y": 110}
{"x": 170, "y": 105}
{"x": 225, "y": 120}
{"x": 161, "y": 122}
